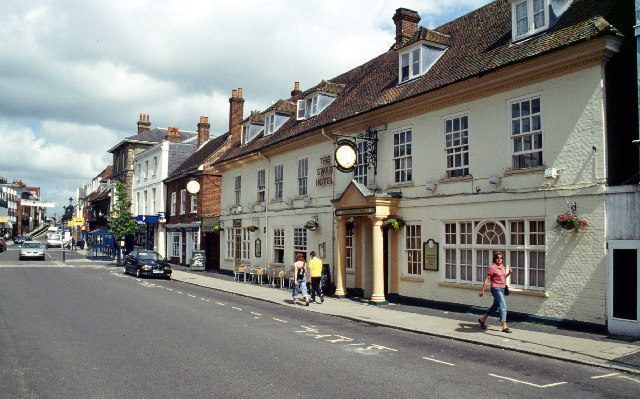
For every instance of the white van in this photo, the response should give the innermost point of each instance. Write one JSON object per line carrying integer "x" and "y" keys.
{"x": 54, "y": 240}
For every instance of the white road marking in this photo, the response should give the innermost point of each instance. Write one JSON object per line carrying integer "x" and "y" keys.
{"x": 281, "y": 321}
{"x": 169, "y": 289}
{"x": 604, "y": 376}
{"x": 179, "y": 292}
{"x": 220, "y": 303}
{"x": 191, "y": 296}
{"x": 233, "y": 307}
{"x": 438, "y": 361}
{"x": 204, "y": 299}
{"x": 528, "y": 383}
{"x": 629, "y": 378}
{"x": 257, "y": 314}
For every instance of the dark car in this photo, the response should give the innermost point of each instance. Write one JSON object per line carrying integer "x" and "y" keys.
{"x": 3, "y": 245}
{"x": 146, "y": 263}
{"x": 21, "y": 239}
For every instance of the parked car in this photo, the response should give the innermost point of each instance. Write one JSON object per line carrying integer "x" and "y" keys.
{"x": 146, "y": 263}
{"x": 3, "y": 245}
{"x": 21, "y": 239}
{"x": 31, "y": 249}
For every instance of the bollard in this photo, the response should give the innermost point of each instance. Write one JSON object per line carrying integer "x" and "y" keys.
{"x": 63, "y": 254}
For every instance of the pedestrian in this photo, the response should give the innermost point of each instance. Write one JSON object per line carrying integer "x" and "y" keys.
{"x": 73, "y": 243}
{"x": 315, "y": 270}
{"x": 497, "y": 276}
{"x": 300, "y": 275}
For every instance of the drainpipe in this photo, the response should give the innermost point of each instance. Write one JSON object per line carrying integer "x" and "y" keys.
{"x": 267, "y": 180}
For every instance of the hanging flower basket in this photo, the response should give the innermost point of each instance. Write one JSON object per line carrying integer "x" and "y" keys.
{"x": 312, "y": 225}
{"x": 253, "y": 227}
{"x": 570, "y": 221}
{"x": 393, "y": 223}
{"x": 217, "y": 228}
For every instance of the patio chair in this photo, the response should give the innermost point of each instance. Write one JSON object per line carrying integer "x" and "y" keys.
{"x": 238, "y": 270}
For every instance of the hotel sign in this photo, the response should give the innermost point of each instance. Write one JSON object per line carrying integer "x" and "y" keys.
{"x": 324, "y": 174}
{"x": 355, "y": 211}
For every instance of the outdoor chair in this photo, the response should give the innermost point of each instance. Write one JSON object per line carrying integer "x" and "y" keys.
{"x": 240, "y": 270}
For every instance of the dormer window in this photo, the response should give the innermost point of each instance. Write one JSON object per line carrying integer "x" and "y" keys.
{"x": 273, "y": 121}
{"x": 250, "y": 131}
{"x": 416, "y": 60}
{"x": 529, "y": 17}
{"x": 313, "y": 105}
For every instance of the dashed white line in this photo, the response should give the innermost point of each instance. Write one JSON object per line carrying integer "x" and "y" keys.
{"x": 257, "y": 314}
{"x": 604, "y": 376}
{"x": 204, "y": 299}
{"x": 281, "y": 321}
{"x": 179, "y": 292}
{"x": 437, "y": 361}
{"x": 169, "y": 289}
{"x": 191, "y": 296}
{"x": 220, "y": 303}
{"x": 233, "y": 307}
{"x": 528, "y": 383}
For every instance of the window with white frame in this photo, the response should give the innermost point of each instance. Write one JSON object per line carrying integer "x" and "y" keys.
{"x": 300, "y": 241}
{"x": 139, "y": 172}
{"x": 348, "y": 246}
{"x": 273, "y": 122}
{"x": 194, "y": 240}
{"x": 278, "y": 245}
{"x": 456, "y": 135}
{"x": 470, "y": 245}
{"x": 526, "y": 132}
{"x": 231, "y": 240}
{"x": 418, "y": 59}
{"x": 250, "y": 131}
{"x": 529, "y": 17}
{"x": 153, "y": 201}
{"x": 246, "y": 244}
{"x": 303, "y": 171}
{"x": 261, "y": 185}
{"x": 237, "y": 190}
{"x": 173, "y": 203}
{"x": 144, "y": 204}
{"x": 402, "y": 160}
{"x": 360, "y": 173}
{"x": 155, "y": 167}
{"x": 175, "y": 245}
{"x": 413, "y": 248}
{"x": 278, "y": 179}
{"x": 146, "y": 168}
{"x": 313, "y": 105}
{"x": 183, "y": 201}
{"x": 194, "y": 203}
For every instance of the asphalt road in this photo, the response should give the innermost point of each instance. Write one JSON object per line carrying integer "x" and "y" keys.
{"x": 86, "y": 331}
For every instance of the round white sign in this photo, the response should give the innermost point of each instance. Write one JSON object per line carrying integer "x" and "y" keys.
{"x": 346, "y": 155}
{"x": 193, "y": 187}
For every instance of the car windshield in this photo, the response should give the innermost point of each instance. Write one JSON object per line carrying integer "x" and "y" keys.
{"x": 31, "y": 245}
{"x": 149, "y": 256}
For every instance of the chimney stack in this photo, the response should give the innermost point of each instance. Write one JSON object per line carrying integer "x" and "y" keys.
{"x": 236, "y": 112}
{"x": 406, "y": 23}
{"x": 296, "y": 89}
{"x": 203, "y": 131}
{"x": 144, "y": 125}
{"x": 173, "y": 134}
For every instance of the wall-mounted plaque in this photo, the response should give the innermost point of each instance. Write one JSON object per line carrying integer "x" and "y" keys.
{"x": 430, "y": 255}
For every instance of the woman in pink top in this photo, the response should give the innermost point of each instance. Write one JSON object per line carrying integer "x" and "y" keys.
{"x": 497, "y": 276}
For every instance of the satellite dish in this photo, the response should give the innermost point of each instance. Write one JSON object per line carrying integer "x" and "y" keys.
{"x": 193, "y": 187}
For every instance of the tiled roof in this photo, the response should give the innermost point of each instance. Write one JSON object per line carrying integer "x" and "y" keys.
{"x": 106, "y": 173}
{"x": 479, "y": 42}
{"x": 152, "y": 136}
{"x": 286, "y": 107}
{"x": 199, "y": 157}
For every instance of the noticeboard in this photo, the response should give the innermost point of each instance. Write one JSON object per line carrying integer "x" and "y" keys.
{"x": 198, "y": 260}
{"x": 430, "y": 255}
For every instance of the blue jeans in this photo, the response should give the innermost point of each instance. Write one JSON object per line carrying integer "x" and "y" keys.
{"x": 499, "y": 304}
{"x": 300, "y": 285}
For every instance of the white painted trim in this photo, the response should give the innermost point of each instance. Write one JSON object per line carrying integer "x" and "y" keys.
{"x": 615, "y": 325}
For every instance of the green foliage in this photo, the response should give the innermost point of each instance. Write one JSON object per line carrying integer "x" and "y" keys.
{"x": 393, "y": 223}
{"x": 121, "y": 222}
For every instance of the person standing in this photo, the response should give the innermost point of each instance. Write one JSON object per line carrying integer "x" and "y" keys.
{"x": 315, "y": 269}
{"x": 497, "y": 276}
{"x": 300, "y": 275}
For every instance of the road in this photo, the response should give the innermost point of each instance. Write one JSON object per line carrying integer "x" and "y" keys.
{"x": 87, "y": 331}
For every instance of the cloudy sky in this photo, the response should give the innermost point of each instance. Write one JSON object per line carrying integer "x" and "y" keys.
{"x": 74, "y": 75}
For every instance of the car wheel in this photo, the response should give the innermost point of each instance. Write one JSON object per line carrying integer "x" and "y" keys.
{"x": 167, "y": 277}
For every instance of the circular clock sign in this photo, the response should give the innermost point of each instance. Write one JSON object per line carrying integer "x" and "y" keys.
{"x": 346, "y": 156}
{"x": 193, "y": 187}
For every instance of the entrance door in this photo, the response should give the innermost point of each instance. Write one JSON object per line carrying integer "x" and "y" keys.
{"x": 623, "y": 287}
{"x": 190, "y": 246}
{"x": 237, "y": 242}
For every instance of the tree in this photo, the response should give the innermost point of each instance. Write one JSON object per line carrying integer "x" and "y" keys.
{"x": 121, "y": 223}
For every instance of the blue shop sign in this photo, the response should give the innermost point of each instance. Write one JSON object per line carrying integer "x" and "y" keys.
{"x": 142, "y": 219}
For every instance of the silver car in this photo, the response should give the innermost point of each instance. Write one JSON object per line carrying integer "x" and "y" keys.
{"x": 31, "y": 249}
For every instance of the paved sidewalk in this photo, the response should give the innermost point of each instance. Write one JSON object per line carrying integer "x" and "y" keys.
{"x": 597, "y": 350}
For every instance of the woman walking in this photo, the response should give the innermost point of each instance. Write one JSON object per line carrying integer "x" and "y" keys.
{"x": 300, "y": 275}
{"x": 497, "y": 276}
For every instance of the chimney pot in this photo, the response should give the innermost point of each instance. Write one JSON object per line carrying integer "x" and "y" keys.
{"x": 143, "y": 123}
{"x": 296, "y": 89}
{"x": 234, "y": 93}
{"x": 239, "y": 92}
{"x": 203, "y": 131}
{"x": 236, "y": 113}
{"x": 406, "y": 22}
{"x": 173, "y": 134}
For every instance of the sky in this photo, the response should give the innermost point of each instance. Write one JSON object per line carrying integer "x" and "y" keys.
{"x": 75, "y": 75}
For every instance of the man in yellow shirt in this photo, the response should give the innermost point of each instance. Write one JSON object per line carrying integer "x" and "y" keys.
{"x": 315, "y": 267}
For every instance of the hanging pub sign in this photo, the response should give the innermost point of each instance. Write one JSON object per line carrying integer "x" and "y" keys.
{"x": 324, "y": 174}
{"x": 430, "y": 255}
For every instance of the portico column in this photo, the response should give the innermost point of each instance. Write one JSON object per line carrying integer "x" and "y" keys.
{"x": 341, "y": 253}
{"x": 377, "y": 262}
